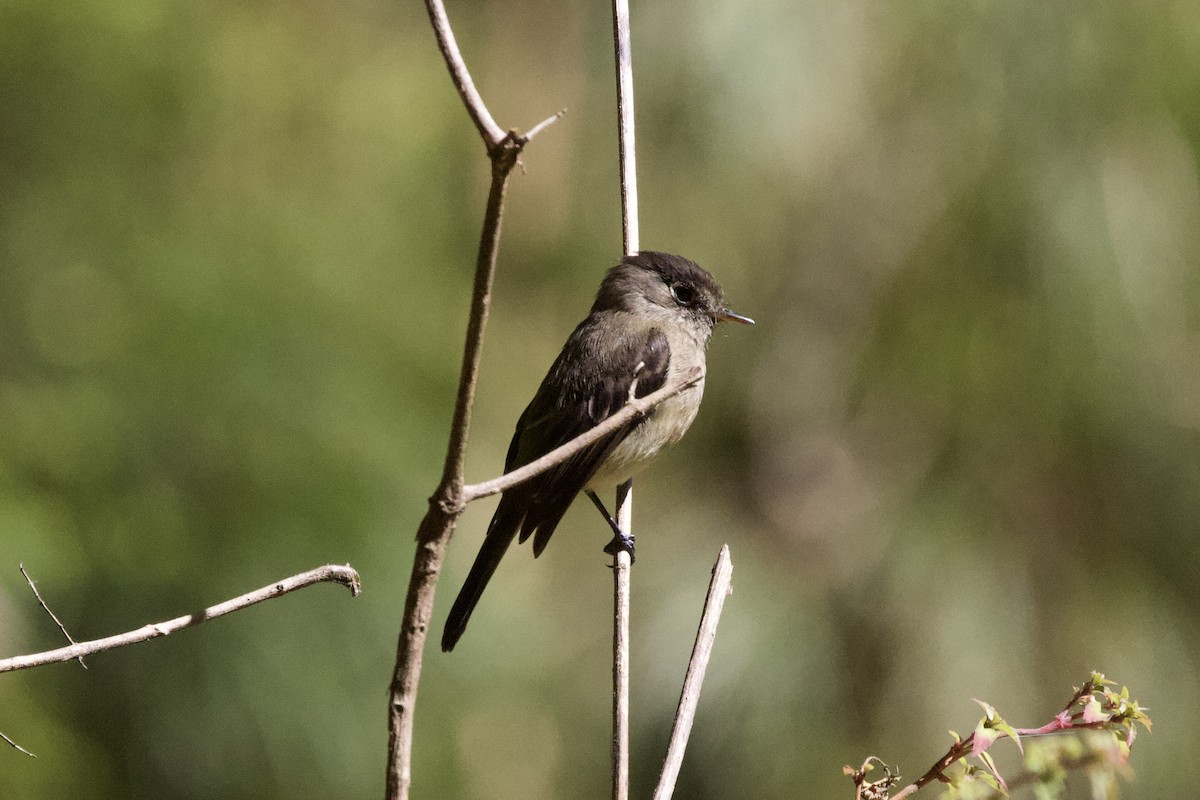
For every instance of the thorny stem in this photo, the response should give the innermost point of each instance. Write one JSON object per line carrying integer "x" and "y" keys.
{"x": 1062, "y": 721}
{"x": 38, "y": 596}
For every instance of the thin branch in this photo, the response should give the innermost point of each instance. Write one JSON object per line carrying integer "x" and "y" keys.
{"x": 720, "y": 587}
{"x": 636, "y": 408}
{"x": 491, "y": 132}
{"x": 328, "y": 573}
{"x": 46, "y": 608}
{"x": 621, "y": 591}
{"x": 622, "y": 562}
{"x": 16, "y": 746}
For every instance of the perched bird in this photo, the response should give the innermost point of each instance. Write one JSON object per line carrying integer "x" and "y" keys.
{"x": 650, "y": 325}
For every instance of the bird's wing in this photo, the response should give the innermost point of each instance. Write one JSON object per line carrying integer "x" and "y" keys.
{"x": 637, "y": 362}
{"x": 590, "y": 381}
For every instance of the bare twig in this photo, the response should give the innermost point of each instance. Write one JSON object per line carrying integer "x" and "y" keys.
{"x": 719, "y": 588}
{"x": 46, "y": 608}
{"x": 634, "y": 409}
{"x": 622, "y": 562}
{"x": 16, "y": 746}
{"x": 328, "y": 573}
{"x": 541, "y": 126}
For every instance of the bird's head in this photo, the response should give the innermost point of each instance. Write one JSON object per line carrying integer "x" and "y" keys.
{"x": 661, "y": 284}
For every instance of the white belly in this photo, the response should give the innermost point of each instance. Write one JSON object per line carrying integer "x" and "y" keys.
{"x": 666, "y": 425}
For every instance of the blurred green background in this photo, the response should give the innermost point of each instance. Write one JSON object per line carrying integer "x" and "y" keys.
{"x": 958, "y": 456}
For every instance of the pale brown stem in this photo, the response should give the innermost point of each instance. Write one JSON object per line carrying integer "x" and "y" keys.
{"x": 622, "y": 563}
{"x": 621, "y": 580}
{"x": 445, "y": 506}
{"x": 628, "y": 151}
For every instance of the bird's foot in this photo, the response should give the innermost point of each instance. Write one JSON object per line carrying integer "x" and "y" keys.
{"x": 621, "y": 541}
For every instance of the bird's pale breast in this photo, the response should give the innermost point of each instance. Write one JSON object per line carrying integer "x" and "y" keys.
{"x": 665, "y": 425}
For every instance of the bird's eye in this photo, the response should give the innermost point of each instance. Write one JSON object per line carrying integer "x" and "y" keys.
{"x": 683, "y": 294}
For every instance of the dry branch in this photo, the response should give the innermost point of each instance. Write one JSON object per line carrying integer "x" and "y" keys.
{"x": 38, "y": 595}
{"x": 447, "y": 502}
{"x": 720, "y": 587}
{"x": 328, "y": 573}
{"x": 622, "y": 562}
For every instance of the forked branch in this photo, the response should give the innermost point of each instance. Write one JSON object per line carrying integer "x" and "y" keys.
{"x": 447, "y": 502}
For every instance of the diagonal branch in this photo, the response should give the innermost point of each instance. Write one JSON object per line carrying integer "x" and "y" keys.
{"x": 720, "y": 587}
{"x": 328, "y": 573}
{"x": 633, "y": 410}
{"x": 16, "y": 746}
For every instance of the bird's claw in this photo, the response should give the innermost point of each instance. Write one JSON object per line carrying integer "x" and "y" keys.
{"x": 621, "y": 541}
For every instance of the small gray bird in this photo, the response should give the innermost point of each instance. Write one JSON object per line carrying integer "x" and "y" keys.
{"x": 650, "y": 324}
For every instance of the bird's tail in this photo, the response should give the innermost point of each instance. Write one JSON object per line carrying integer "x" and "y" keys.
{"x": 500, "y": 534}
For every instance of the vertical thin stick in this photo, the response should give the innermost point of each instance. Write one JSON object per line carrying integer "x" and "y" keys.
{"x": 718, "y": 589}
{"x": 629, "y": 205}
{"x": 621, "y": 576}
{"x": 621, "y": 560}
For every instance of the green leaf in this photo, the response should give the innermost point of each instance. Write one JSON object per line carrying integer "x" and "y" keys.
{"x": 1010, "y": 732}
{"x": 1001, "y": 786}
{"x": 988, "y": 709}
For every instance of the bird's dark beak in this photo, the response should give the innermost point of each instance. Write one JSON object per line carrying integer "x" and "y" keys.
{"x": 725, "y": 315}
